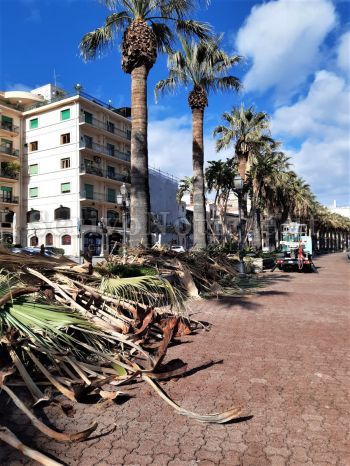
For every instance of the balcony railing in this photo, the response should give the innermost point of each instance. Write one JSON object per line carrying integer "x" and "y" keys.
{"x": 9, "y": 151}
{"x": 9, "y": 127}
{"x": 9, "y": 199}
{"x": 95, "y": 170}
{"x": 101, "y": 197}
{"x": 106, "y": 126}
{"x": 9, "y": 175}
{"x": 104, "y": 150}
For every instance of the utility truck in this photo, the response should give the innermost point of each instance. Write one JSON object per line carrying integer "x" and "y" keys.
{"x": 296, "y": 248}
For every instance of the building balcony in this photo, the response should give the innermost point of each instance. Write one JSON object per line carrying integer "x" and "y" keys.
{"x": 87, "y": 195}
{"x": 9, "y": 175}
{"x": 93, "y": 147}
{"x": 9, "y": 199}
{"x": 4, "y": 150}
{"x": 8, "y": 128}
{"x": 87, "y": 169}
{"x": 106, "y": 126}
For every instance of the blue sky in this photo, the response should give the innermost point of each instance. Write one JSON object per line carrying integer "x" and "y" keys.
{"x": 296, "y": 68}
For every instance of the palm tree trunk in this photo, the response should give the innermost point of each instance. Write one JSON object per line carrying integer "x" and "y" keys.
{"x": 257, "y": 230}
{"x": 140, "y": 199}
{"x": 199, "y": 217}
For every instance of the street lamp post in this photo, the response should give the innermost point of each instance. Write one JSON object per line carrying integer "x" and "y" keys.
{"x": 102, "y": 225}
{"x": 238, "y": 189}
{"x": 125, "y": 200}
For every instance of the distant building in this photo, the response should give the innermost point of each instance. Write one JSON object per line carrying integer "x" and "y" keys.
{"x": 343, "y": 210}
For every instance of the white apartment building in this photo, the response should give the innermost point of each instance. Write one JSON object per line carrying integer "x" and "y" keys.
{"x": 71, "y": 157}
{"x": 75, "y": 156}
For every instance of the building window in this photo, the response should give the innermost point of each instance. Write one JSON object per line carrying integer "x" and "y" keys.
{"x": 65, "y": 163}
{"x": 33, "y": 216}
{"x": 111, "y": 195}
{"x": 112, "y": 218}
{"x": 111, "y": 172}
{"x": 65, "y": 138}
{"x": 33, "y": 123}
{"x": 110, "y": 149}
{"x": 5, "y": 194}
{"x": 49, "y": 239}
{"x": 110, "y": 126}
{"x": 89, "y": 216}
{"x": 88, "y": 117}
{"x": 66, "y": 240}
{"x": 62, "y": 213}
{"x": 33, "y": 169}
{"x": 33, "y": 146}
{"x": 34, "y": 241}
{"x": 89, "y": 191}
{"x": 65, "y": 114}
{"x": 33, "y": 192}
{"x": 87, "y": 141}
{"x": 6, "y": 123}
{"x": 65, "y": 188}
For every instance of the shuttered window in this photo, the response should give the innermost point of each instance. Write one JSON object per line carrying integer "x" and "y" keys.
{"x": 65, "y": 188}
{"x": 33, "y": 123}
{"x": 33, "y": 192}
{"x": 65, "y": 114}
{"x": 33, "y": 169}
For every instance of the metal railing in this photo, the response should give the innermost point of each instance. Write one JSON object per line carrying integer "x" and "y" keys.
{"x": 106, "y": 126}
{"x": 97, "y": 171}
{"x": 9, "y": 175}
{"x": 101, "y": 197}
{"x": 9, "y": 199}
{"x": 9, "y": 151}
{"x": 85, "y": 144}
{"x": 9, "y": 127}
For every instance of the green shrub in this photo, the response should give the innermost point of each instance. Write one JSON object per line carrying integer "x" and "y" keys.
{"x": 125, "y": 271}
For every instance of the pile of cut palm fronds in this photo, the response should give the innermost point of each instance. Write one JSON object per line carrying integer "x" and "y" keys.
{"x": 86, "y": 334}
{"x": 193, "y": 272}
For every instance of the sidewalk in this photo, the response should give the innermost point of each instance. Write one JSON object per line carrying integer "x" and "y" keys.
{"x": 285, "y": 360}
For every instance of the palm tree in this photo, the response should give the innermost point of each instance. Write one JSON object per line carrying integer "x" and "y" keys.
{"x": 220, "y": 177}
{"x": 147, "y": 28}
{"x": 202, "y": 65}
{"x": 265, "y": 175}
{"x": 247, "y": 131}
{"x": 185, "y": 186}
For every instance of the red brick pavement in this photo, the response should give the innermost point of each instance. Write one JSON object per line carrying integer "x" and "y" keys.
{"x": 285, "y": 361}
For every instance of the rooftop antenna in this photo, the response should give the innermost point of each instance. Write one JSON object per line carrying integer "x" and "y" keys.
{"x": 54, "y": 77}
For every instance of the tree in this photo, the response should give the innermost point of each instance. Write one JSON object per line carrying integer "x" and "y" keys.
{"x": 220, "y": 177}
{"x": 266, "y": 172}
{"x": 147, "y": 27}
{"x": 203, "y": 65}
{"x": 247, "y": 131}
{"x": 185, "y": 186}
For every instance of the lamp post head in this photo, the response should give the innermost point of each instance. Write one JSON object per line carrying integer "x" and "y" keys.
{"x": 123, "y": 190}
{"x": 78, "y": 87}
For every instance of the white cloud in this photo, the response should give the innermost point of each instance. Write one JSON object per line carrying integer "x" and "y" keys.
{"x": 326, "y": 106}
{"x": 170, "y": 146}
{"x": 283, "y": 39}
{"x": 343, "y": 53}
{"x": 321, "y": 122}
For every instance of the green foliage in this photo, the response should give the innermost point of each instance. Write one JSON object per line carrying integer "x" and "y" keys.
{"x": 124, "y": 271}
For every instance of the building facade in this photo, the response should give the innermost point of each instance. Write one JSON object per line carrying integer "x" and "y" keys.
{"x": 64, "y": 160}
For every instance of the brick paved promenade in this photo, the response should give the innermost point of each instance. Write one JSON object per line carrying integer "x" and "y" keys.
{"x": 285, "y": 355}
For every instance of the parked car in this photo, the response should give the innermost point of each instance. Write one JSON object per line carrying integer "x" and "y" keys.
{"x": 178, "y": 248}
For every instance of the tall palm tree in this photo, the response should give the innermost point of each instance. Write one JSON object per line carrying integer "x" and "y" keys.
{"x": 148, "y": 27}
{"x": 247, "y": 131}
{"x": 266, "y": 172}
{"x": 203, "y": 66}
